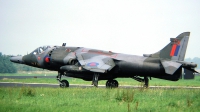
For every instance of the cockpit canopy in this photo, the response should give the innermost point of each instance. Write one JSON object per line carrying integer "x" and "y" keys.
{"x": 40, "y": 50}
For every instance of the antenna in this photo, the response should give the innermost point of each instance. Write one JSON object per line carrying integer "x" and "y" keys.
{"x": 64, "y": 44}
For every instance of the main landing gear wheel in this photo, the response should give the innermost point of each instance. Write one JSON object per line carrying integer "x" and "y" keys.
{"x": 64, "y": 84}
{"x": 95, "y": 79}
{"x": 112, "y": 84}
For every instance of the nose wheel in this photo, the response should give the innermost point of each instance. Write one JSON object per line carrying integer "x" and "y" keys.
{"x": 63, "y": 83}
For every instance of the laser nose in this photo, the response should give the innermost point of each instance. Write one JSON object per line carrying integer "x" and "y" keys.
{"x": 17, "y": 59}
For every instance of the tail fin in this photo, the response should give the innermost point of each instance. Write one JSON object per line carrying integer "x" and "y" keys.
{"x": 176, "y": 49}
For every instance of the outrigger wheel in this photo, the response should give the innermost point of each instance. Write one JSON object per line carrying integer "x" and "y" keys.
{"x": 64, "y": 84}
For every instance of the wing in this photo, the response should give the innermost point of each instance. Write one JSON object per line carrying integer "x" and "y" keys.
{"x": 95, "y": 62}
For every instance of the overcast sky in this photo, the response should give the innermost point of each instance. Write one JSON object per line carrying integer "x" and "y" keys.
{"x": 123, "y": 26}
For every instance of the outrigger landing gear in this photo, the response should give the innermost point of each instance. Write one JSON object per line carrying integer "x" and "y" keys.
{"x": 63, "y": 83}
{"x": 112, "y": 84}
{"x": 145, "y": 80}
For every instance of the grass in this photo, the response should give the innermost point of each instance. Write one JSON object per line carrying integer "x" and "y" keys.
{"x": 98, "y": 100}
{"x": 122, "y": 81}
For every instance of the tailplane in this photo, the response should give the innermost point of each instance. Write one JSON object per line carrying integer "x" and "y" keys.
{"x": 175, "y": 50}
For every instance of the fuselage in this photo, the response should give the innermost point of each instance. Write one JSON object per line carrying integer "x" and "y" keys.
{"x": 53, "y": 58}
{"x": 93, "y": 64}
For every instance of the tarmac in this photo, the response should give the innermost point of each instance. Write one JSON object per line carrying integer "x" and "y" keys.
{"x": 19, "y": 84}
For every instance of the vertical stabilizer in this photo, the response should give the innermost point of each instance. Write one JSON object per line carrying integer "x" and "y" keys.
{"x": 176, "y": 49}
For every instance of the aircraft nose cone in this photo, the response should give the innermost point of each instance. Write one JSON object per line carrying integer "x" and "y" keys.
{"x": 17, "y": 59}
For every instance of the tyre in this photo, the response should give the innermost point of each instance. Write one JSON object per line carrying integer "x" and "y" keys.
{"x": 64, "y": 84}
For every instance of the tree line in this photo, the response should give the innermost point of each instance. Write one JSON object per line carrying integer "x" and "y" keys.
{"x": 6, "y": 66}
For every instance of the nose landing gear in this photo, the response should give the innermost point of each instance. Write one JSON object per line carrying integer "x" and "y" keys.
{"x": 63, "y": 83}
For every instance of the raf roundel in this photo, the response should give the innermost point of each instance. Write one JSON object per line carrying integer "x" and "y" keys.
{"x": 47, "y": 59}
{"x": 93, "y": 64}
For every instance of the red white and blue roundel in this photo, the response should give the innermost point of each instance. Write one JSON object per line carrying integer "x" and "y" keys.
{"x": 93, "y": 64}
{"x": 47, "y": 59}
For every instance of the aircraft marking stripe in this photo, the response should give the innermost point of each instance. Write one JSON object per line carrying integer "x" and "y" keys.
{"x": 177, "y": 49}
{"x": 173, "y": 50}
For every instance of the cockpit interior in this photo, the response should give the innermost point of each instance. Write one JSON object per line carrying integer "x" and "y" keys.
{"x": 40, "y": 50}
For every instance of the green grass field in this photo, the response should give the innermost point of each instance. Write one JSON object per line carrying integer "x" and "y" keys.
{"x": 122, "y": 81}
{"x": 42, "y": 99}
{"x": 27, "y": 99}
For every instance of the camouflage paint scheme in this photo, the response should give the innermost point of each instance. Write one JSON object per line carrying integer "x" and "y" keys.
{"x": 93, "y": 65}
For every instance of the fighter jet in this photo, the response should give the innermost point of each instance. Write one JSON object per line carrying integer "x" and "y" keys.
{"x": 94, "y": 65}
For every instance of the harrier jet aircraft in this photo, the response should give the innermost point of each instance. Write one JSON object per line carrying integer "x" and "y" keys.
{"x": 94, "y": 65}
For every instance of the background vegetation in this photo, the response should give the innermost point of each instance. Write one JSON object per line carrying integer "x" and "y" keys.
{"x": 5, "y": 65}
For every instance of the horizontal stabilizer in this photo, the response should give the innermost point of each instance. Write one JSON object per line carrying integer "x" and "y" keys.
{"x": 187, "y": 64}
{"x": 170, "y": 66}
